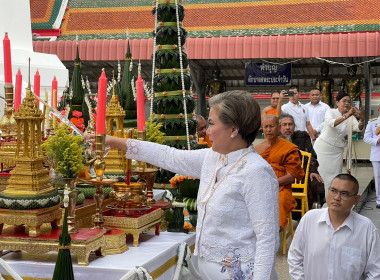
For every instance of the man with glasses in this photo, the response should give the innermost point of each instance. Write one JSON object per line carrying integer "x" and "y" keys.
{"x": 335, "y": 242}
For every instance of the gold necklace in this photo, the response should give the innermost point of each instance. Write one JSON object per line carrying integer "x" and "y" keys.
{"x": 205, "y": 201}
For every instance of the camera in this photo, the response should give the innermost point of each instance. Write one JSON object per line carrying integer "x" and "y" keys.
{"x": 290, "y": 93}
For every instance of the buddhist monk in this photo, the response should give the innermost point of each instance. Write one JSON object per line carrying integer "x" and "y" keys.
{"x": 284, "y": 157}
{"x": 272, "y": 108}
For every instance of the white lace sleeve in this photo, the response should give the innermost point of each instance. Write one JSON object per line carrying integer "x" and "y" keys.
{"x": 261, "y": 196}
{"x": 184, "y": 162}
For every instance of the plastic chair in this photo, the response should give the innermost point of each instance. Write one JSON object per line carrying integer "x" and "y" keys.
{"x": 290, "y": 224}
{"x": 302, "y": 185}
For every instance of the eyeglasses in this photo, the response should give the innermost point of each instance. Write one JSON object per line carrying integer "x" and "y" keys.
{"x": 345, "y": 101}
{"x": 343, "y": 194}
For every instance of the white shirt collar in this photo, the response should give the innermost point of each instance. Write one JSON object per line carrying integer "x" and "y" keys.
{"x": 349, "y": 221}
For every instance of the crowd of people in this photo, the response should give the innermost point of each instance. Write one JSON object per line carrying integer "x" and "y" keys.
{"x": 245, "y": 191}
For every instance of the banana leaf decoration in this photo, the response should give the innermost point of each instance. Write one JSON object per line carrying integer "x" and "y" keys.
{"x": 167, "y": 59}
{"x": 167, "y": 12}
{"x": 176, "y": 127}
{"x": 170, "y": 82}
{"x": 172, "y": 104}
{"x": 168, "y": 35}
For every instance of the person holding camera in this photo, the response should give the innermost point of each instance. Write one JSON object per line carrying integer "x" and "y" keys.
{"x": 330, "y": 144}
{"x": 295, "y": 109}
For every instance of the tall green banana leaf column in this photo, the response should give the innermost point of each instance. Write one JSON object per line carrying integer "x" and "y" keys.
{"x": 172, "y": 104}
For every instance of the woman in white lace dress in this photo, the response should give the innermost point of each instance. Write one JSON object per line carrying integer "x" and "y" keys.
{"x": 237, "y": 228}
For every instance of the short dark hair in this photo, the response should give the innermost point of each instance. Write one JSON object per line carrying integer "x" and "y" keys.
{"x": 294, "y": 87}
{"x": 350, "y": 178}
{"x": 283, "y": 116}
{"x": 239, "y": 109}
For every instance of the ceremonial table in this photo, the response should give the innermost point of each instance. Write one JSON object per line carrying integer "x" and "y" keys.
{"x": 156, "y": 253}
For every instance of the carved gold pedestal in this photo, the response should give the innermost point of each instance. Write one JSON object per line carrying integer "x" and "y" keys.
{"x": 134, "y": 225}
{"x": 115, "y": 242}
{"x": 82, "y": 243}
{"x": 33, "y": 219}
{"x": 84, "y": 212}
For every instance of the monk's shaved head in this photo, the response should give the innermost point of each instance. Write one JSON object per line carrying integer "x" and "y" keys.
{"x": 271, "y": 117}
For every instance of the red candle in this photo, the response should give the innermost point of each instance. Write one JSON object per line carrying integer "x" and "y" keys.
{"x": 140, "y": 104}
{"x": 54, "y": 88}
{"x": 37, "y": 79}
{"x": 7, "y": 60}
{"x": 18, "y": 90}
{"x": 101, "y": 108}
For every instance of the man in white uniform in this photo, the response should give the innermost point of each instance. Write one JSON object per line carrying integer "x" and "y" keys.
{"x": 335, "y": 242}
{"x": 372, "y": 137}
{"x": 316, "y": 110}
{"x": 296, "y": 109}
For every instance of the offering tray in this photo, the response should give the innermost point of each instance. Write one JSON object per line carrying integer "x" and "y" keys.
{"x": 103, "y": 182}
{"x": 128, "y": 211}
{"x": 135, "y": 224}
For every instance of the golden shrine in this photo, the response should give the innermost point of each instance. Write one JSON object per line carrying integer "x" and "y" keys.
{"x": 29, "y": 198}
{"x": 115, "y": 162}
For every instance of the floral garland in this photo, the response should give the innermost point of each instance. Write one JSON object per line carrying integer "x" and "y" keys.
{"x": 179, "y": 178}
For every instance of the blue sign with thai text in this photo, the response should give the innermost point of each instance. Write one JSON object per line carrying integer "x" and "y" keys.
{"x": 267, "y": 74}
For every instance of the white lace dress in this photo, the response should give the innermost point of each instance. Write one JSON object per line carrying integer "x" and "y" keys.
{"x": 238, "y": 221}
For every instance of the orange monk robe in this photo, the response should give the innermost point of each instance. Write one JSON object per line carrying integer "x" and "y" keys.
{"x": 208, "y": 141}
{"x": 284, "y": 157}
{"x": 272, "y": 111}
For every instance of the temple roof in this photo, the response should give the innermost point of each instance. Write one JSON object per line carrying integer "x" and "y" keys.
{"x": 109, "y": 19}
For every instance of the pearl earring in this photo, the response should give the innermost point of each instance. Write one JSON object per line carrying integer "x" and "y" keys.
{"x": 232, "y": 136}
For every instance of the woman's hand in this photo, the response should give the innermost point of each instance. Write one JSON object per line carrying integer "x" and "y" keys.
{"x": 358, "y": 113}
{"x": 350, "y": 112}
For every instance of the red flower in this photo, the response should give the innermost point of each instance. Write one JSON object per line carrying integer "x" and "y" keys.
{"x": 77, "y": 114}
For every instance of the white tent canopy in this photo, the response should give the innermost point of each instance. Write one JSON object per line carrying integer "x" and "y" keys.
{"x": 16, "y": 20}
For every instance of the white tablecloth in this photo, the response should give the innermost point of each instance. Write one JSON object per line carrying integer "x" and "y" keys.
{"x": 153, "y": 253}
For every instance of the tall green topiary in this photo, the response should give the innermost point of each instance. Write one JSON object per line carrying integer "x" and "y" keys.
{"x": 169, "y": 85}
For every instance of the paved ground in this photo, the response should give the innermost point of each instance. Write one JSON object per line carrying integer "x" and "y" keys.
{"x": 364, "y": 173}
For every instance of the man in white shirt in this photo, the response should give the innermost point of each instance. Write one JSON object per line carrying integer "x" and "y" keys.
{"x": 372, "y": 137}
{"x": 296, "y": 109}
{"x": 316, "y": 110}
{"x": 335, "y": 242}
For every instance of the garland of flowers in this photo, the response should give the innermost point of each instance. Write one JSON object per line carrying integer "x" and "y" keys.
{"x": 179, "y": 178}
{"x": 182, "y": 78}
{"x": 154, "y": 59}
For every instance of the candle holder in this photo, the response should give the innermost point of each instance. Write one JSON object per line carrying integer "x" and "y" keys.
{"x": 99, "y": 163}
{"x": 8, "y": 124}
{"x": 146, "y": 174}
{"x": 99, "y": 182}
{"x": 141, "y": 135}
{"x": 147, "y": 177}
{"x": 99, "y": 199}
